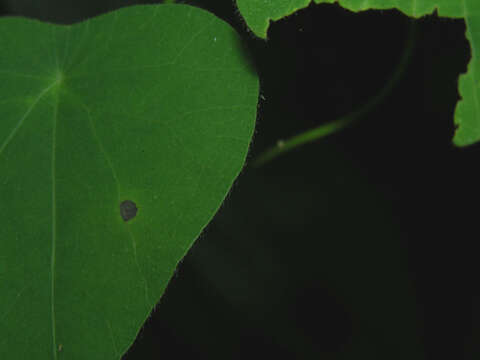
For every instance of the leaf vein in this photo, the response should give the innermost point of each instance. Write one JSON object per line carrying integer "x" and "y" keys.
{"x": 54, "y": 229}
{"x": 191, "y": 40}
{"x": 115, "y": 348}
{"x": 117, "y": 182}
{"x": 24, "y": 117}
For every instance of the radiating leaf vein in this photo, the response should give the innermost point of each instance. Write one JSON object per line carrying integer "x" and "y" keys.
{"x": 114, "y": 343}
{"x": 24, "y": 117}
{"x": 117, "y": 182}
{"x": 54, "y": 227}
{"x": 191, "y": 40}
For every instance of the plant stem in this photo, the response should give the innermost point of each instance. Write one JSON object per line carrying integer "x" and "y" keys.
{"x": 339, "y": 124}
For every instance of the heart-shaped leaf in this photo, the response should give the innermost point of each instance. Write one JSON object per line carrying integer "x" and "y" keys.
{"x": 119, "y": 139}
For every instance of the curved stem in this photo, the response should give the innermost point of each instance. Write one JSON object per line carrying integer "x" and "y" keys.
{"x": 339, "y": 124}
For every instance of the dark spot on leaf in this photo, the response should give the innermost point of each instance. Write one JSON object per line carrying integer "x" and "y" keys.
{"x": 128, "y": 210}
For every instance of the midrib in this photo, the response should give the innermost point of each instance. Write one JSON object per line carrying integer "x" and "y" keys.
{"x": 54, "y": 228}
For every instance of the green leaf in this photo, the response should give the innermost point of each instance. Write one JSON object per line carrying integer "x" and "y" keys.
{"x": 119, "y": 139}
{"x": 258, "y": 14}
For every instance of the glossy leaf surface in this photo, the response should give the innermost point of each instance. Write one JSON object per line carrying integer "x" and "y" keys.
{"x": 258, "y": 14}
{"x": 119, "y": 139}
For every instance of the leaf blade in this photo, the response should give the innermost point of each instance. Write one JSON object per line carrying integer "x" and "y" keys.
{"x": 148, "y": 113}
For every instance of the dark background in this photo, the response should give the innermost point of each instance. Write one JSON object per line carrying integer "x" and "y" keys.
{"x": 359, "y": 246}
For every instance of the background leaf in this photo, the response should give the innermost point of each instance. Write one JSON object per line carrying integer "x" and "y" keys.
{"x": 257, "y": 15}
{"x": 134, "y": 105}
